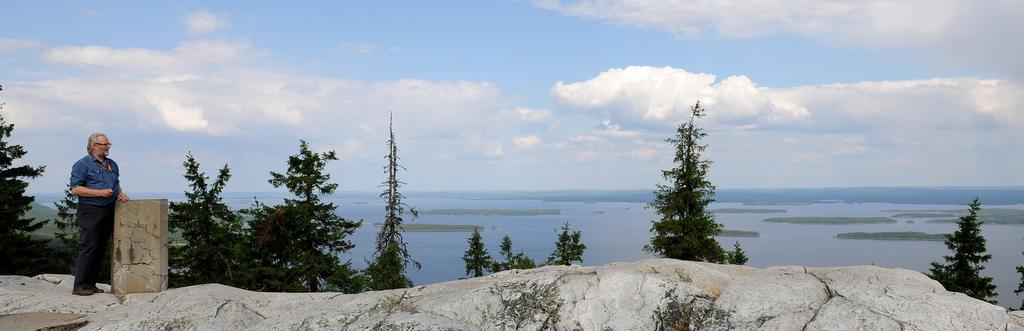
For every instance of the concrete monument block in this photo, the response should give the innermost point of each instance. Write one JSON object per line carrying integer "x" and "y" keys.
{"x": 140, "y": 247}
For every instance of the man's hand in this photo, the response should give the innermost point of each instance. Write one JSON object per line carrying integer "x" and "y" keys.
{"x": 122, "y": 197}
{"x": 105, "y": 193}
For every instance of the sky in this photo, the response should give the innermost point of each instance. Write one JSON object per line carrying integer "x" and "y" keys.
{"x": 522, "y": 95}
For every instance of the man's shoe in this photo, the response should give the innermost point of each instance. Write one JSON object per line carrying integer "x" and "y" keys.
{"x": 82, "y": 291}
{"x": 96, "y": 289}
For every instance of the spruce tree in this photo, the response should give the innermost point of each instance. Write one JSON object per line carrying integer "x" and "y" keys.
{"x": 211, "y": 230}
{"x": 297, "y": 243}
{"x": 962, "y": 271}
{"x": 1020, "y": 287}
{"x": 267, "y": 257}
{"x": 512, "y": 260}
{"x": 68, "y": 233}
{"x": 21, "y": 254}
{"x": 476, "y": 257}
{"x": 385, "y": 271}
{"x": 686, "y": 229}
{"x": 736, "y": 255}
{"x": 568, "y": 247}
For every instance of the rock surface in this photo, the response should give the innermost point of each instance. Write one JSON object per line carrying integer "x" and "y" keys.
{"x": 656, "y": 294}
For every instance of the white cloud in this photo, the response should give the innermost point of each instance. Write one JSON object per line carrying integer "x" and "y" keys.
{"x": 533, "y": 115}
{"x": 179, "y": 117}
{"x": 493, "y": 149}
{"x": 661, "y": 97}
{"x": 815, "y": 135}
{"x": 351, "y": 148}
{"x": 691, "y": 19}
{"x": 614, "y": 130}
{"x": 233, "y": 106}
{"x": 11, "y": 45}
{"x": 526, "y": 141}
{"x": 587, "y": 138}
{"x": 586, "y": 155}
{"x": 980, "y": 34}
{"x": 187, "y": 56}
{"x": 203, "y": 21}
{"x": 940, "y": 103}
{"x": 644, "y": 153}
{"x": 665, "y": 95}
{"x": 102, "y": 56}
{"x": 852, "y": 145}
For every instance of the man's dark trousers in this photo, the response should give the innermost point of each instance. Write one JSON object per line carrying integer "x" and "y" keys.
{"x": 97, "y": 226}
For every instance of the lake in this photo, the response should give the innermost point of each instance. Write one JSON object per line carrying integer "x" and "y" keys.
{"x": 615, "y": 226}
{"x": 617, "y": 231}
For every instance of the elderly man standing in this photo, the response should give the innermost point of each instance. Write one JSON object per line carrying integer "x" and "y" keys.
{"x": 94, "y": 179}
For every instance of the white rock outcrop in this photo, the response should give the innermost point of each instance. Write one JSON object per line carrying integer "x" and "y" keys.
{"x": 656, "y": 294}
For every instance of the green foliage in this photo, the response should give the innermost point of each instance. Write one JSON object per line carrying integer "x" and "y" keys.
{"x": 512, "y": 260}
{"x": 387, "y": 271}
{"x": 69, "y": 235}
{"x": 962, "y": 271}
{"x": 389, "y": 239}
{"x": 66, "y": 222}
{"x": 212, "y": 231}
{"x": 686, "y": 228}
{"x": 22, "y": 255}
{"x": 736, "y": 255}
{"x": 476, "y": 257}
{"x": 568, "y": 247}
{"x": 296, "y": 244}
{"x": 1020, "y": 287}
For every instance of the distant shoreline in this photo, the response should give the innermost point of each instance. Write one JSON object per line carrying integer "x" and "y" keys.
{"x": 941, "y": 195}
{"x": 905, "y": 235}
{"x": 830, "y": 220}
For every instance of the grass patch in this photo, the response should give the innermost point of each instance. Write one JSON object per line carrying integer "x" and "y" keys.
{"x": 739, "y": 233}
{"x": 747, "y": 211}
{"x": 904, "y": 235}
{"x": 830, "y": 220}
{"x": 492, "y": 212}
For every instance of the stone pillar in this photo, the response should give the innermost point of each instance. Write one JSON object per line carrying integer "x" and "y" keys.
{"x": 140, "y": 247}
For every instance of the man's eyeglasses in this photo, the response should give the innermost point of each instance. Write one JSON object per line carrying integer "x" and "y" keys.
{"x": 106, "y": 145}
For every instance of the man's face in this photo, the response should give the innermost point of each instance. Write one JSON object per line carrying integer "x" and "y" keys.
{"x": 101, "y": 147}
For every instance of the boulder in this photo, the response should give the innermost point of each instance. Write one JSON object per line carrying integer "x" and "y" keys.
{"x": 655, "y": 294}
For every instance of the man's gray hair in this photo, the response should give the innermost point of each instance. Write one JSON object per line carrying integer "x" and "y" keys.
{"x": 92, "y": 140}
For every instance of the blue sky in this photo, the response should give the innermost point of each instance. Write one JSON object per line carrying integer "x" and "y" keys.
{"x": 523, "y": 95}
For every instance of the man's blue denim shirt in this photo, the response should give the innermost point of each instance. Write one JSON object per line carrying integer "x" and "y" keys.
{"x": 90, "y": 173}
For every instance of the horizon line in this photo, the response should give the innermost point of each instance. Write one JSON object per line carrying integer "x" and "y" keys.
{"x": 981, "y": 187}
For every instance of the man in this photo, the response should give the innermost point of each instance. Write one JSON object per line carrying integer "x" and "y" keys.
{"x": 94, "y": 179}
